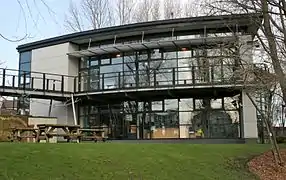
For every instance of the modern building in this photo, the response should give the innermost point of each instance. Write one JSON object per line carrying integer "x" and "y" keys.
{"x": 151, "y": 80}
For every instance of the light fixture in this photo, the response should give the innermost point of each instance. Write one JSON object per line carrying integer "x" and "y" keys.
{"x": 184, "y": 49}
{"x": 118, "y": 55}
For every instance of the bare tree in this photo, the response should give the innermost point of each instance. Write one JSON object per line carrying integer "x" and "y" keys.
{"x": 89, "y": 14}
{"x": 124, "y": 11}
{"x": 146, "y": 10}
{"x": 272, "y": 37}
{"x": 172, "y": 9}
{"x": 73, "y": 21}
{"x": 27, "y": 14}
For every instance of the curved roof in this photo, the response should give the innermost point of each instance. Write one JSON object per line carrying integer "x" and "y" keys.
{"x": 189, "y": 26}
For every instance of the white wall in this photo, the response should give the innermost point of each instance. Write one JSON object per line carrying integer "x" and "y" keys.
{"x": 54, "y": 59}
{"x": 249, "y": 118}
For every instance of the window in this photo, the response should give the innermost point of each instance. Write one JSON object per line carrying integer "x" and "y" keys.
{"x": 25, "y": 57}
{"x": 94, "y": 61}
{"x": 105, "y": 61}
{"x": 25, "y": 67}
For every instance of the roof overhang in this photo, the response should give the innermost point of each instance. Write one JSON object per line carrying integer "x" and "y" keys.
{"x": 247, "y": 23}
{"x": 170, "y": 44}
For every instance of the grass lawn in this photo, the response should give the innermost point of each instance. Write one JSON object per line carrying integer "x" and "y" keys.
{"x": 115, "y": 161}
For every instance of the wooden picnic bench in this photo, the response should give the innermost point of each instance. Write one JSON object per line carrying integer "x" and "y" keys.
{"x": 19, "y": 133}
{"x": 95, "y": 133}
{"x": 47, "y": 131}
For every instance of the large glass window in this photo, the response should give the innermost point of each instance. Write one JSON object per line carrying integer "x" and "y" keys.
{"x": 24, "y": 72}
{"x": 159, "y": 67}
{"x": 25, "y": 68}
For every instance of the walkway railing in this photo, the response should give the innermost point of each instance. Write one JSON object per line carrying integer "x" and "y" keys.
{"x": 36, "y": 81}
{"x": 210, "y": 75}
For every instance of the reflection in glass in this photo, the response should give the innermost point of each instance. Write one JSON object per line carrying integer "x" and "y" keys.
{"x": 25, "y": 56}
{"x": 94, "y": 79}
{"x": 156, "y": 54}
{"x": 157, "y": 106}
{"x": 216, "y": 104}
{"x": 186, "y": 104}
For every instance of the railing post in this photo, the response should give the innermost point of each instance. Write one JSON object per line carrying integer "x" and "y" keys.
{"x": 62, "y": 84}
{"x": 54, "y": 85}
{"x": 48, "y": 82}
{"x": 44, "y": 81}
{"x": 119, "y": 80}
{"x": 102, "y": 79}
{"x": 174, "y": 76}
{"x": 3, "y": 78}
{"x": 24, "y": 83}
{"x": 74, "y": 84}
{"x": 13, "y": 81}
{"x": 193, "y": 75}
{"x": 155, "y": 80}
{"x": 32, "y": 83}
{"x": 212, "y": 73}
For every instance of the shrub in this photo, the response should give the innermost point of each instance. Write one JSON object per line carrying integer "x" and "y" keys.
{"x": 281, "y": 139}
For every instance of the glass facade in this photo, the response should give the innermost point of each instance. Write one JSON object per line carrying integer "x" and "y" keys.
{"x": 24, "y": 76}
{"x": 168, "y": 118}
{"x": 156, "y": 67}
{"x": 188, "y": 117}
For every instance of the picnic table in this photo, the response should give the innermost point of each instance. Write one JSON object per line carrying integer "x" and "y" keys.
{"x": 47, "y": 131}
{"x": 18, "y": 133}
{"x": 96, "y": 133}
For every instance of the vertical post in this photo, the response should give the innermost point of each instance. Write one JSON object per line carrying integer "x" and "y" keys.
{"x": 98, "y": 84}
{"x": 50, "y": 107}
{"x": 48, "y": 82}
{"x": 3, "y": 78}
{"x": 212, "y": 73}
{"x": 193, "y": 75}
{"x": 73, "y": 110}
{"x": 155, "y": 83}
{"x": 44, "y": 81}
{"x": 74, "y": 84}
{"x": 119, "y": 80}
{"x": 13, "y": 81}
{"x": 54, "y": 85}
{"x": 174, "y": 76}
{"x": 102, "y": 79}
{"x": 62, "y": 84}
{"x": 24, "y": 83}
{"x": 32, "y": 83}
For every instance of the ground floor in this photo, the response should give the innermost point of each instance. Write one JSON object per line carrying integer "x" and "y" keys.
{"x": 229, "y": 116}
{"x": 208, "y": 117}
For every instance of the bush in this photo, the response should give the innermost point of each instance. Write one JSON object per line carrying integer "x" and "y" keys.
{"x": 281, "y": 139}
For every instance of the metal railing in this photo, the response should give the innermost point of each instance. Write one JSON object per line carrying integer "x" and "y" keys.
{"x": 163, "y": 77}
{"x": 36, "y": 81}
{"x": 145, "y": 78}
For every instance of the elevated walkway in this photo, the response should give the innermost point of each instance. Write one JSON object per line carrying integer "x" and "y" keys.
{"x": 162, "y": 83}
{"x": 35, "y": 85}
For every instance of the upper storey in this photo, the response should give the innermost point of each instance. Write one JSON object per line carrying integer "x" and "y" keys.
{"x": 240, "y": 23}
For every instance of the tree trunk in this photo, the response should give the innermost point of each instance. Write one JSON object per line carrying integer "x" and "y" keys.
{"x": 273, "y": 48}
{"x": 275, "y": 148}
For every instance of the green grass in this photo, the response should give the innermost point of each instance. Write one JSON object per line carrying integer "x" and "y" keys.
{"x": 112, "y": 161}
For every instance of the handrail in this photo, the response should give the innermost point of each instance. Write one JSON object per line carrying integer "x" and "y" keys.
{"x": 37, "y": 72}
